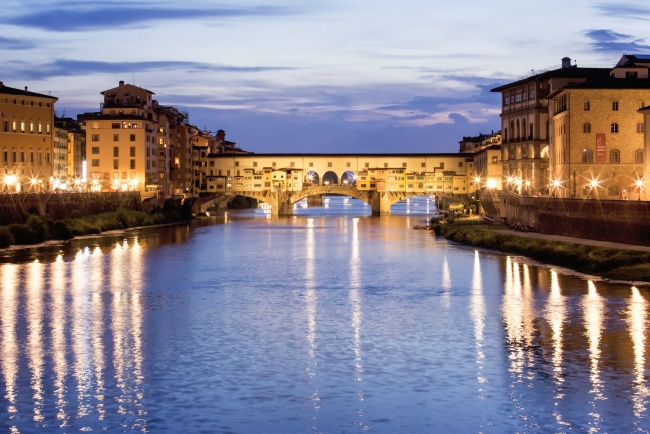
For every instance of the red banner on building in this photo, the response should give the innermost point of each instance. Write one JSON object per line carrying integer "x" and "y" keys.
{"x": 601, "y": 148}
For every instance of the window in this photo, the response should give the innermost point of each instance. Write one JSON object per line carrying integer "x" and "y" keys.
{"x": 638, "y": 156}
{"x": 386, "y": 165}
{"x": 95, "y": 137}
{"x": 614, "y": 156}
{"x": 495, "y": 159}
{"x": 442, "y": 165}
{"x": 22, "y": 156}
{"x": 116, "y": 151}
{"x": 132, "y": 164}
{"x": 587, "y": 106}
{"x": 116, "y": 164}
{"x": 115, "y": 125}
{"x": 366, "y": 164}
{"x": 460, "y": 164}
{"x": 586, "y": 127}
{"x": 124, "y": 175}
{"x": 615, "y": 106}
{"x": 631, "y": 74}
{"x": 423, "y": 165}
{"x": 132, "y": 151}
{"x": 639, "y": 128}
{"x": 614, "y": 127}
{"x": 116, "y": 137}
{"x": 95, "y": 163}
{"x": 329, "y": 164}
{"x": 132, "y": 137}
{"x": 587, "y": 156}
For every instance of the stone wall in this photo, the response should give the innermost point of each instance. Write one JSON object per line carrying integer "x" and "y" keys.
{"x": 620, "y": 221}
{"x": 15, "y": 207}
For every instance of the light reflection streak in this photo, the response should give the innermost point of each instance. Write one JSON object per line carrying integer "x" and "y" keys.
{"x": 477, "y": 307}
{"x": 446, "y": 284}
{"x": 97, "y": 328}
{"x": 137, "y": 313}
{"x": 593, "y": 307}
{"x": 80, "y": 325}
{"x": 9, "y": 349}
{"x": 59, "y": 345}
{"x": 311, "y": 303}
{"x": 34, "y": 282}
{"x": 637, "y": 313}
{"x": 556, "y": 315}
{"x": 356, "y": 300}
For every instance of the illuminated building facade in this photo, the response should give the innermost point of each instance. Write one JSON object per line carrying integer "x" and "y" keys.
{"x": 597, "y": 134}
{"x": 26, "y": 140}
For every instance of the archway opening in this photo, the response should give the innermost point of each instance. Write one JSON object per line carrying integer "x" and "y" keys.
{"x": 312, "y": 178}
{"x": 330, "y": 178}
{"x": 349, "y": 178}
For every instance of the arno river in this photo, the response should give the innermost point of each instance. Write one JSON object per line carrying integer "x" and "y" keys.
{"x": 330, "y": 321}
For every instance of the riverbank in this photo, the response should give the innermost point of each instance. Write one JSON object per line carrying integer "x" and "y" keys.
{"x": 617, "y": 262}
{"x": 40, "y": 229}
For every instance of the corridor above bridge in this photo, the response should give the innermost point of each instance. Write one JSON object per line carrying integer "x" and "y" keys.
{"x": 451, "y": 173}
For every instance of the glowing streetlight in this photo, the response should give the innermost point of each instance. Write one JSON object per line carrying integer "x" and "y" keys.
{"x": 639, "y": 186}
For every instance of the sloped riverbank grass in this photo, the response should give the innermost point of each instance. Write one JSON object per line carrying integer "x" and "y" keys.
{"x": 37, "y": 229}
{"x": 601, "y": 261}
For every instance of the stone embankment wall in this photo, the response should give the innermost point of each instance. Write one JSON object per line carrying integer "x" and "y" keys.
{"x": 15, "y": 207}
{"x": 619, "y": 221}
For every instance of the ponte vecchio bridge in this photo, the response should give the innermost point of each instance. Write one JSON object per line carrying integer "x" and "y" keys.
{"x": 281, "y": 180}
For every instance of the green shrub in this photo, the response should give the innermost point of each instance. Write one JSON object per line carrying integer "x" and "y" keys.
{"x": 6, "y": 237}
{"x": 60, "y": 231}
{"x": 23, "y": 234}
{"x": 39, "y": 226}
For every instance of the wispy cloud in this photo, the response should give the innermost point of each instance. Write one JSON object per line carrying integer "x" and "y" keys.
{"x": 15, "y": 44}
{"x": 99, "y": 16}
{"x": 622, "y": 10}
{"x": 608, "y": 41}
{"x": 67, "y": 68}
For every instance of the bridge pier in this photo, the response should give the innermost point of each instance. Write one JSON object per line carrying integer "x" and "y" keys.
{"x": 380, "y": 202}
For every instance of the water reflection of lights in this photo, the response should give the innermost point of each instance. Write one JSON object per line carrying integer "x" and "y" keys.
{"x": 594, "y": 306}
{"x": 9, "y": 348}
{"x": 65, "y": 323}
{"x": 477, "y": 307}
{"x": 637, "y": 313}
{"x": 446, "y": 284}
{"x": 311, "y": 304}
{"x": 556, "y": 315}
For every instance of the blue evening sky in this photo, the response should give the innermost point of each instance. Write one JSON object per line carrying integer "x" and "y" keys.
{"x": 312, "y": 76}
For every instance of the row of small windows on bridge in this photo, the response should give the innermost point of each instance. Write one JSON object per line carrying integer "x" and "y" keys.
{"x": 441, "y": 165}
{"x": 613, "y": 128}
{"x": 614, "y": 156}
{"x": 587, "y": 105}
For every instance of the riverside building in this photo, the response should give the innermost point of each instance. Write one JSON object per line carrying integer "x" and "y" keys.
{"x": 26, "y": 140}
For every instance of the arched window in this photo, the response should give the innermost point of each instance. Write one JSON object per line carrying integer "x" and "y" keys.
{"x": 614, "y": 190}
{"x": 587, "y": 156}
{"x": 639, "y": 128}
{"x": 614, "y": 156}
{"x": 586, "y": 127}
{"x": 638, "y": 156}
{"x": 614, "y": 127}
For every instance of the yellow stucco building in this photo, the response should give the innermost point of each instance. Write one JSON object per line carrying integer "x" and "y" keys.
{"x": 26, "y": 140}
{"x": 597, "y": 134}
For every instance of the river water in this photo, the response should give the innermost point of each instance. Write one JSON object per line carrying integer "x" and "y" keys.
{"x": 329, "y": 321}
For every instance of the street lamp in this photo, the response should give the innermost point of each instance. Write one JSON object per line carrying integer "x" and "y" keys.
{"x": 639, "y": 186}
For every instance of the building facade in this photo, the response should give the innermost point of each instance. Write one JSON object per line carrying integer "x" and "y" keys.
{"x": 597, "y": 134}
{"x": 525, "y": 123}
{"x": 26, "y": 140}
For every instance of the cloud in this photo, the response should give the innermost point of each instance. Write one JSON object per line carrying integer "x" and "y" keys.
{"x": 15, "y": 44}
{"x": 621, "y": 10}
{"x": 67, "y": 68}
{"x": 608, "y": 41}
{"x": 95, "y": 16}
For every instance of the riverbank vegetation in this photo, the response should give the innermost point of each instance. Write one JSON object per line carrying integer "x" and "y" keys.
{"x": 37, "y": 229}
{"x": 606, "y": 262}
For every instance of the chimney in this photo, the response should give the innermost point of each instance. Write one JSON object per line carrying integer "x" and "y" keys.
{"x": 121, "y": 82}
{"x": 566, "y": 62}
{"x": 25, "y": 88}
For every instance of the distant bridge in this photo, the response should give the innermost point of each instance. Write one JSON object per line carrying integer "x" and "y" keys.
{"x": 282, "y": 201}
